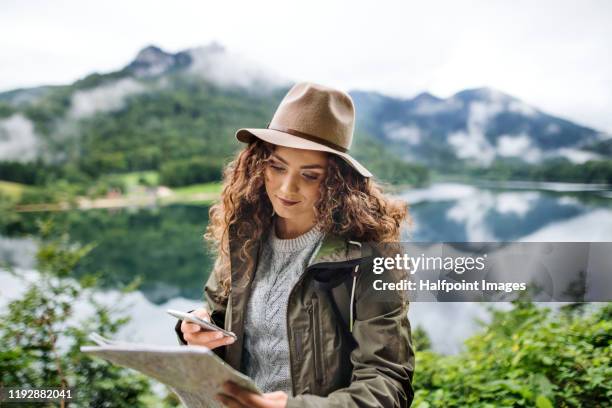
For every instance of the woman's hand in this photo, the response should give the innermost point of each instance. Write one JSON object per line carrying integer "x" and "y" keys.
{"x": 237, "y": 397}
{"x": 195, "y": 336}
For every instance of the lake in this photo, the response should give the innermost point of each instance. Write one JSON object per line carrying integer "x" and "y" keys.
{"x": 164, "y": 249}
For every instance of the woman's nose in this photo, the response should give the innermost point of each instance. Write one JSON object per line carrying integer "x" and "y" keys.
{"x": 289, "y": 184}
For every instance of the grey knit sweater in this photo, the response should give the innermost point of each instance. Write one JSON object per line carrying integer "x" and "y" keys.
{"x": 266, "y": 348}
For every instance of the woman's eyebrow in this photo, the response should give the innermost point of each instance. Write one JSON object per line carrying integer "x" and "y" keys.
{"x": 312, "y": 166}
{"x": 308, "y": 166}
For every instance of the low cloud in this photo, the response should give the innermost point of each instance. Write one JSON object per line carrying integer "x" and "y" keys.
{"x": 522, "y": 108}
{"x": 518, "y": 146}
{"x": 577, "y": 156}
{"x": 472, "y": 144}
{"x": 396, "y": 131}
{"x": 229, "y": 69}
{"x": 104, "y": 98}
{"x": 18, "y": 140}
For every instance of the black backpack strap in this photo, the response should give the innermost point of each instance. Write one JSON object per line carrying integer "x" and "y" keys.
{"x": 341, "y": 290}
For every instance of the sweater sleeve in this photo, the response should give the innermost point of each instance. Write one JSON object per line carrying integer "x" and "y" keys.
{"x": 383, "y": 361}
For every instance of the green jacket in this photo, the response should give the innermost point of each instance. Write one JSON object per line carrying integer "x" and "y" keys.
{"x": 331, "y": 367}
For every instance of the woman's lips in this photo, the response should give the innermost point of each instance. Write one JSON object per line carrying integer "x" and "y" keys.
{"x": 287, "y": 203}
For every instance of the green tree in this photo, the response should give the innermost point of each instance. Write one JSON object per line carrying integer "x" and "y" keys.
{"x": 41, "y": 336}
{"x": 192, "y": 171}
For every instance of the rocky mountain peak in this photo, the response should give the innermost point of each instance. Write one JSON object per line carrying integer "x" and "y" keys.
{"x": 484, "y": 94}
{"x": 426, "y": 97}
{"x": 151, "y": 55}
{"x": 152, "y": 61}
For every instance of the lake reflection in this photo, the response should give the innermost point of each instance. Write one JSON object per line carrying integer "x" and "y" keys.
{"x": 164, "y": 247}
{"x": 458, "y": 212}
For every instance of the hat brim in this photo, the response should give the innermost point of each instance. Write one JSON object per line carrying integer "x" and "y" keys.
{"x": 285, "y": 139}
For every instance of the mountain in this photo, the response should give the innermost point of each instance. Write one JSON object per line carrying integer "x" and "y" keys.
{"x": 163, "y": 111}
{"x": 166, "y": 108}
{"x": 478, "y": 126}
{"x": 153, "y": 61}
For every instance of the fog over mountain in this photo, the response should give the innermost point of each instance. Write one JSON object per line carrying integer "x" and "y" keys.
{"x": 476, "y": 126}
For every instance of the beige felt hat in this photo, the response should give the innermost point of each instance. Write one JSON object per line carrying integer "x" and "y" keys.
{"x": 312, "y": 117}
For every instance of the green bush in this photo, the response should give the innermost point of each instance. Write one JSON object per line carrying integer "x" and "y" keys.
{"x": 528, "y": 356}
{"x": 192, "y": 171}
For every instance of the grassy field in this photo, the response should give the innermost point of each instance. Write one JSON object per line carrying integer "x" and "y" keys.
{"x": 200, "y": 194}
{"x": 208, "y": 188}
{"x": 151, "y": 178}
{"x": 140, "y": 177}
{"x": 12, "y": 190}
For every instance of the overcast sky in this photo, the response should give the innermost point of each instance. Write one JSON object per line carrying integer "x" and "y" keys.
{"x": 556, "y": 55}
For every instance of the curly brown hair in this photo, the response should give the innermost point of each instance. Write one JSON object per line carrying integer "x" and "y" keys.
{"x": 350, "y": 206}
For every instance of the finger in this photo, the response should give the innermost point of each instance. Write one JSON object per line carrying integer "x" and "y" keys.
{"x": 228, "y": 401}
{"x": 202, "y": 337}
{"x": 187, "y": 327}
{"x": 247, "y": 398}
{"x": 202, "y": 314}
{"x": 275, "y": 396}
{"x": 208, "y": 336}
{"x": 225, "y": 341}
{"x": 206, "y": 339}
{"x": 188, "y": 338}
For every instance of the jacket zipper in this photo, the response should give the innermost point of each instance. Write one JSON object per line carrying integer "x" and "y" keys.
{"x": 316, "y": 341}
{"x": 291, "y": 339}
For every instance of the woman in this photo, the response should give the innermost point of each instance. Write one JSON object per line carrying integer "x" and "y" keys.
{"x": 290, "y": 230}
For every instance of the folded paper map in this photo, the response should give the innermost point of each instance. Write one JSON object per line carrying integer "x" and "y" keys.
{"x": 194, "y": 373}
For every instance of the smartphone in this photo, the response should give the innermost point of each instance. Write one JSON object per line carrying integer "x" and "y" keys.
{"x": 200, "y": 322}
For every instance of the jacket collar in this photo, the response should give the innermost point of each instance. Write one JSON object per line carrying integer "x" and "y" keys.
{"x": 336, "y": 249}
